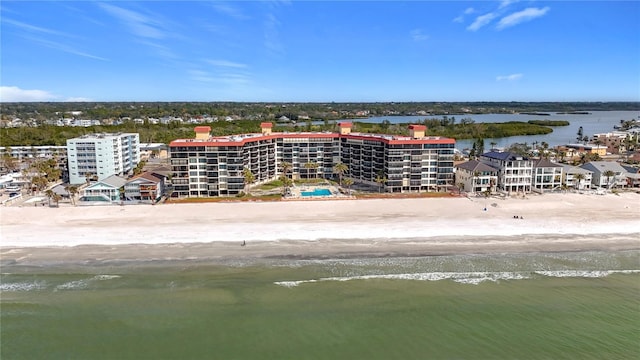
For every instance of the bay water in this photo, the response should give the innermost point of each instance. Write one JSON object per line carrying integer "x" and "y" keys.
{"x": 592, "y": 123}
{"x": 579, "y": 305}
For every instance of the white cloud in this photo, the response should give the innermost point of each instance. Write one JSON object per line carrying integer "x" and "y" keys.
{"x": 417, "y": 35}
{"x": 78, "y": 99}
{"x": 521, "y": 16}
{"x": 229, "y": 10}
{"x": 272, "y": 35}
{"x": 65, "y": 48}
{"x": 512, "y": 77}
{"x": 467, "y": 11}
{"x": 505, "y": 3}
{"x": 32, "y": 28}
{"x": 226, "y": 63}
{"x": 481, "y": 21}
{"x": 137, "y": 23}
{"x": 199, "y": 75}
{"x": 15, "y": 94}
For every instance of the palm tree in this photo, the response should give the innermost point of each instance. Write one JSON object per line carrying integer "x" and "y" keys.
{"x": 121, "y": 192}
{"x": 72, "y": 190}
{"x": 348, "y": 182}
{"x": 579, "y": 177}
{"x": 286, "y": 167}
{"x": 56, "y": 198}
{"x": 460, "y": 187}
{"x": 381, "y": 180}
{"x": 340, "y": 169}
{"x": 249, "y": 178}
{"x": 49, "y": 193}
{"x": 609, "y": 174}
{"x": 493, "y": 145}
{"x": 311, "y": 166}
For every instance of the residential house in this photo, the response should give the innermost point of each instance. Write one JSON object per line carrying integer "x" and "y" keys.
{"x": 145, "y": 187}
{"x": 475, "y": 176}
{"x": 599, "y": 179}
{"x": 633, "y": 175}
{"x": 572, "y": 180}
{"x": 109, "y": 188}
{"x": 514, "y": 171}
{"x": 547, "y": 175}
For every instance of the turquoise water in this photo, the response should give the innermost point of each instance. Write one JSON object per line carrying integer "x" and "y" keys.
{"x": 316, "y": 192}
{"x": 522, "y": 306}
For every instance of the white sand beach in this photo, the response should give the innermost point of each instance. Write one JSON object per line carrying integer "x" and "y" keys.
{"x": 377, "y": 227}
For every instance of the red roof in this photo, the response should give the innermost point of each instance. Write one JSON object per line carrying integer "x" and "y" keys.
{"x": 417, "y": 127}
{"x": 345, "y": 124}
{"x": 266, "y": 125}
{"x": 202, "y": 129}
{"x": 390, "y": 139}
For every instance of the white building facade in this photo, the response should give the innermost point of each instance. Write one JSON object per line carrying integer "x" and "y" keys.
{"x": 102, "y": 155}
{"x": 515, "y": 172}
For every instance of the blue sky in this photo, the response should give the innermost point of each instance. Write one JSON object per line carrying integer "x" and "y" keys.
{"x": 320, "y": 51}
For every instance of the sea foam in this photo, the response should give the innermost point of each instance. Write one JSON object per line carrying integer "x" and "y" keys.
{"x": 473, "y": 278}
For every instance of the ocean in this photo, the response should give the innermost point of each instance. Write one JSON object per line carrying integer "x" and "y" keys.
{"x": 578, "y": 305}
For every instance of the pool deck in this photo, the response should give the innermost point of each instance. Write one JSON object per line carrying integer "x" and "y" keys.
{"x": 296, "y": 193}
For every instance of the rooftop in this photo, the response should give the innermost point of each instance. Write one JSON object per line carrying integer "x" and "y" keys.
{"x": 239, "y": 139}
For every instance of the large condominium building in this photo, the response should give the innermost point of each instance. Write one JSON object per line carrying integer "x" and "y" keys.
{"x": 213, "y": 166}
{"x": 102, "y": 155}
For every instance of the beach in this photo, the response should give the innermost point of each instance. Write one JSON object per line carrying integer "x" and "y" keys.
{"x": 383, "y": 278}
{"x": 322, "y": 229}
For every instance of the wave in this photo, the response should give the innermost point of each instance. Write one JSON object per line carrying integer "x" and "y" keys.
{"x": 23, "y": 286}
{"x": 84, "y": 283}
{"x": 473, "y": 278}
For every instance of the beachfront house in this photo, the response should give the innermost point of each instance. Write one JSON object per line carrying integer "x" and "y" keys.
{"x": 514, "y": 171}
{"x": 600, "y": 169}
{"x": 109, "y": 188}
{"x": 633, "y": 176}
{"x": 476, "y": 177}
{"x": 573, "y": 180}
{"x": 145, "y": 187}
{"x": 547, "y": 176}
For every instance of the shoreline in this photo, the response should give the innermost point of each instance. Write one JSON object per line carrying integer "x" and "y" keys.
{"x": 318, "y": 230}
{"x": 223, "y": 252}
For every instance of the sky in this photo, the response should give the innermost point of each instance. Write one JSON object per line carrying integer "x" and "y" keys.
{"x": 319, "y": 51}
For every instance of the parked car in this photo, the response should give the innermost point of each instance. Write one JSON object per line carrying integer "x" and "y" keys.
{"x": 13, "y": 194}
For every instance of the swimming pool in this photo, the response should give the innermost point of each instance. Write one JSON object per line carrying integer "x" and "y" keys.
{"x": 316, "y": 192}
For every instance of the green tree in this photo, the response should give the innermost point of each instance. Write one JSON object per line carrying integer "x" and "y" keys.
{"x": 73, "y": 191}
{"x": 49, "y": 193}
{"x": 56, "y": 199}
{"x": 249, "y": 179}
{"x": 380, "y": 180}
{"x": 348, "y": 182}
{"x": 609, "y": 174}
{"x": 311, "y": 166}
{"x": 580, "y": 134}
{"x": 340, "y": 169}
{"x": 578, "y": 178}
